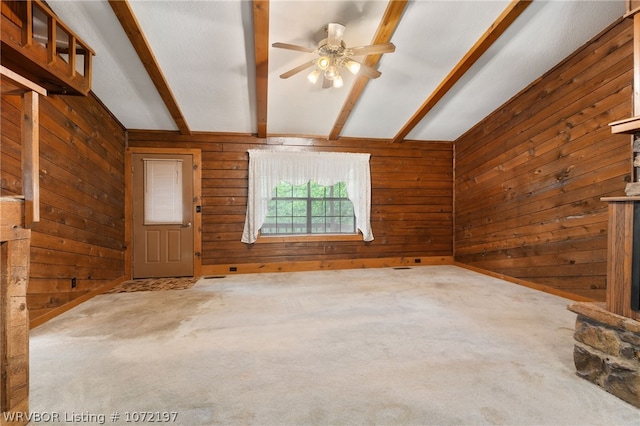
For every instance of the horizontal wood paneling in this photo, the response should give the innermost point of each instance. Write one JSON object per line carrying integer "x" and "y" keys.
{"x": 81, "y": 232}
{"x": 529, "y": 177}
{"x": 412, "y": 204}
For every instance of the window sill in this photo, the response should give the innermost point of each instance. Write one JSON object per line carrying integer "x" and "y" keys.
{"x": 263, "y": 239}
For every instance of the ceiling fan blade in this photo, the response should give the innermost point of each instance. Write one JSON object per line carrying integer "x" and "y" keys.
{"x": 334, "y": 34}
{"x": 293, "y": 47}
{"x": 368, "y": 71}
{"x": 298, "y": 69}
{"x": 373, "y": 49}
{"x": 326, "y": 83}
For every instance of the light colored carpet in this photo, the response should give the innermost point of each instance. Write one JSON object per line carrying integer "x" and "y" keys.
{"x": 432, "y": 345}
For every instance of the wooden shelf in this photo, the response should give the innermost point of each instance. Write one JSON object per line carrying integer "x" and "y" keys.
{"x": 628, "y": 125}
{"x": 621, "y": 199}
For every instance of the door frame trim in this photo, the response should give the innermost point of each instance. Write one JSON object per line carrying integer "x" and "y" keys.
{"x": 128, "y": 203}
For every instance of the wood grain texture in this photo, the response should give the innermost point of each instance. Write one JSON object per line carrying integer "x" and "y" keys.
{"x": 36, "y": 62}
{"x": 81, "y": 172}
{"x": 31, "y": 156}
{"x": 636, "y": 64}
{"x": 132, "y": 28}
{"x": 261, "y": 43}
{"x": 411, "y": 213}
{"x": 14, "y": 315}
{"x": 386, "y": 28}
{"x": 497, "y": 28}
{"x": 530, "y": 177}
{"x": 619, "y": 261}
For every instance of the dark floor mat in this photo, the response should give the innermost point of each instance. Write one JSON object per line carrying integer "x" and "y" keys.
{"x": 154, "y": 284}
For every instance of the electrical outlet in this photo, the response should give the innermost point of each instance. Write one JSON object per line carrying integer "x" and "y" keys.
{"x": 233, "y": 269}
{"x": 74, "y": 282}
{"x": 417, "y": 260}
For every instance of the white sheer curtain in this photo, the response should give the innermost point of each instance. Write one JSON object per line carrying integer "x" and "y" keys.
{"x": 268, "y": 168}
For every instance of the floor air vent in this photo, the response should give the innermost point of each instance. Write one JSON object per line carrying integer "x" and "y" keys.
{"x": 402, "y": 267}
{"x": 215, "y": 277}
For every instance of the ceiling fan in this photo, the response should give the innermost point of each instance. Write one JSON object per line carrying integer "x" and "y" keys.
{"x": 333, "y": 55}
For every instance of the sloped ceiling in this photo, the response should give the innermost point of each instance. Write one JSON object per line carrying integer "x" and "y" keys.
{"x": 206, "y": 51}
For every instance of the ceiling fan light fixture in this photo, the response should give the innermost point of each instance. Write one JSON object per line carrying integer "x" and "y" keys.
{"x": 337, "y": 81}
{"x": 313, "y": 76}
{"x": 353, "y": 66}
{"x": 331, "y": 72}
{"x": 323, "y": 62}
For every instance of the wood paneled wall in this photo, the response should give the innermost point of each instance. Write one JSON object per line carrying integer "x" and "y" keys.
{"x": 81, "y": 232}
{"x": 529, "y": 177}
{"x": 411, "y": 214}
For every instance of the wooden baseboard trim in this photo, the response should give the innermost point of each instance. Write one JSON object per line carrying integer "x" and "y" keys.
{"x": 525, "y": 283}
{"x": 324, "y": 265}
{"x": 75, "y": 302}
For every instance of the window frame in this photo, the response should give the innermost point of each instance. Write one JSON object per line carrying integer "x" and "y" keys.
{"x": 309, "y": 199}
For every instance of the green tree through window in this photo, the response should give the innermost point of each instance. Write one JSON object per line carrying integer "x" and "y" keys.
{"x": 309, "y": 209}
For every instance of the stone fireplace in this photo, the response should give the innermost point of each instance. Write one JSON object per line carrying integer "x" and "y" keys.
{"x": 607, "y": 335}
{"x": 607, "y": 350}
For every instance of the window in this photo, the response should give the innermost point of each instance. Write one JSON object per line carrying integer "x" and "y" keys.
{"x": 269, "y": 169}
{"x": 163, "y": 191}
{"x": 309, "y": 208}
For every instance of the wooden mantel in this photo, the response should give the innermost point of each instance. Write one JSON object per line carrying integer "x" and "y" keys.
{"x": 627, "y": 126}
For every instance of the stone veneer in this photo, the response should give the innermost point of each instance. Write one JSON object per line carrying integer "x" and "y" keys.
{"x": 607, "y": 350}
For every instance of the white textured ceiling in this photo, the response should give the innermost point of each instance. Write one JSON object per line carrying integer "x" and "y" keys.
{"x": 205, "y": 50}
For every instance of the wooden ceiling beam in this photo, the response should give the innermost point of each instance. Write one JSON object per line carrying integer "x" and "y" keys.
{"x": 387, "y": 27}
{"x": 261, "y": 43}
{"x": 499, "y": 26}
{"x": 131, "y": 26}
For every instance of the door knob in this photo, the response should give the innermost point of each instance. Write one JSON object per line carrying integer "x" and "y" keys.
{"x": 186, "y": 225}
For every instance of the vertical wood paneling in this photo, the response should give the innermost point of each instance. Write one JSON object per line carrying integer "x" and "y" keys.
{"x": 620, "y": 262}
{"x": 412, "y": 189}
{"x": 14, "y": 319}
{"x": 31, "y": 156}
{"x": 529, "y": 178}
{"x": 81, "y": 174}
